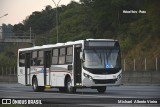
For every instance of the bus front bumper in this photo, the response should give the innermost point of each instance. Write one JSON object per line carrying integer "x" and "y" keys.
{"x": 112, "y": 80}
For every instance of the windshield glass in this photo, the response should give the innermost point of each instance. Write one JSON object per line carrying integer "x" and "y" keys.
{"x": 102, "y": 58}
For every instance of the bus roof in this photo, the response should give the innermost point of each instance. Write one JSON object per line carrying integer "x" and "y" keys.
{"x": 63, "y": 44}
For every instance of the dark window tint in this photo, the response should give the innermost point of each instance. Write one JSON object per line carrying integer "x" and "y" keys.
{"x": 39, "y": 61}
{"x": 21, "y": 59}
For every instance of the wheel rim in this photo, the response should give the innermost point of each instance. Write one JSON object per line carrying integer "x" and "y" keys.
{"x": 69, "y": 86}
{"x": 34, "y": 85}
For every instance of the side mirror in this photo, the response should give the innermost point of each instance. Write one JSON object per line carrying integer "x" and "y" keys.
{"x": 81, "y": 56}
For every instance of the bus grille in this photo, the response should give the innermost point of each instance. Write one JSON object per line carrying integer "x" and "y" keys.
{"x": 108, "y": 81}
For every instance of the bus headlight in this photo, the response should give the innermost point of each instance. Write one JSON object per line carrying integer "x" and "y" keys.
{"x": 87, "y": 76}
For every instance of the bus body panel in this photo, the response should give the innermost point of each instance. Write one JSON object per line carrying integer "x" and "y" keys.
{"x": 28, "y": 76}
{"x": 53, "y": 79}
{"x": 21, "y": 75}
{"x": 48, "y": 77}
{"x": 38, "y": 71}
{"x": 59, "y": 72}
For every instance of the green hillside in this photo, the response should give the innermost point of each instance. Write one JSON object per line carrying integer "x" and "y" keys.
{"x": 138, "y": 33}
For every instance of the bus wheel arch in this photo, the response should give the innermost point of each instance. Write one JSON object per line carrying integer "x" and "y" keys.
{"x": 68, "y": 85}
{"x": 35, "y": 86}
{"x": 34, "y": 76}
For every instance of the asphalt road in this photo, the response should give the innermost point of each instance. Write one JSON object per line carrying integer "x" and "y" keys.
{"x": 83, "y": 96}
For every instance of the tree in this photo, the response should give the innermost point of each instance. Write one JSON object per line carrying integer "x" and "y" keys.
{"x": 18, "y": 28}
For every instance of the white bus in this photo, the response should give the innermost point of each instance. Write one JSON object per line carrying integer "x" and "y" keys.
{"x": 90, "y": 63}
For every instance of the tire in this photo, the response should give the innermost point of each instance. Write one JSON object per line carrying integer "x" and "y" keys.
{"x": 101, "y": 89}
{"x": 35, "y": 86}
{"x": 68, "y": 86}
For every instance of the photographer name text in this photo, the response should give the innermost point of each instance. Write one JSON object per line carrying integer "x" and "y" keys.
{"x": 137, "y": 102}
{"x": 134, "y": 11}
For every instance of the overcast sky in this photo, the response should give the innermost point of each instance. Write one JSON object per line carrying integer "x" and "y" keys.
{"x": 18, "y": 10}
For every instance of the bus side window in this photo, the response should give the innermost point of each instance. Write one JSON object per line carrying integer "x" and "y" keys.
{"x": 69, "y": 55}
{"x": 34, "y": 58}
{"x": 55, "y": 56}
{"x": 62, "y": 56}
{"x": 21, "y": 59}
{"x": 40, "y": 58}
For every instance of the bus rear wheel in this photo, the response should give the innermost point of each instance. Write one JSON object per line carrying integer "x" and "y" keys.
{"x": 35, "y": 86}
{"x": 69, "y": 87}
{"x": 101, "y": 89}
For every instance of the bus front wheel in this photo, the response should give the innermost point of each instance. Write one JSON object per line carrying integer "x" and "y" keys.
{"x": 101, "y": 89}
{"x": 35, "y": 86}
{"x": 69, "y": 87}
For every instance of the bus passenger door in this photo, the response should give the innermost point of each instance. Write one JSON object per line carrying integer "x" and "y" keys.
{"x": 47, "y": 64}
{"x": 27, "y": 68}
{"x": 77, "y": 66}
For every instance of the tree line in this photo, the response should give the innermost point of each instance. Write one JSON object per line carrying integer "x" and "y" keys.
{"x": 138, "y": 33}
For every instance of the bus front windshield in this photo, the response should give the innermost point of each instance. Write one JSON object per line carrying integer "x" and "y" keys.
{"x": 102, "y": 58}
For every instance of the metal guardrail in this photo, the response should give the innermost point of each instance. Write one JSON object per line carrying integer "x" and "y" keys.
{"x": 8, "y": 71}
{"x": 17, "y": 37}
{"x": 141, "y": 64}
